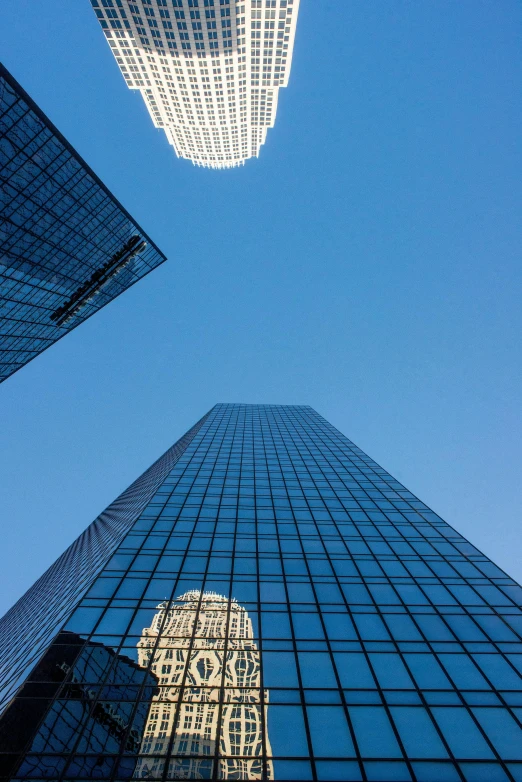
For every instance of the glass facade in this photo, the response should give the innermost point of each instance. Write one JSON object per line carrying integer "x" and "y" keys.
{"x": 267, "y": 603}
{"x": 30, "y": 625}
{"x": 68, "y": 247}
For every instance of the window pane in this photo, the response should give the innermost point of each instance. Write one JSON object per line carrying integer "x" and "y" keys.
{"x": 285, "y": 726}
{"x": 502, "y": 731}
{"x": 417, "y": 732}
{"x": 374, "y": 733}
{"x": 329, "y": 731}
{"x": 461, "y": 733}
{"x": 390, "y": 671}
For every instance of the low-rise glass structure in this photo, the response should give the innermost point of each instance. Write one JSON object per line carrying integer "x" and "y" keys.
{"x": 68, "y": 247}
{"x": 266, "y": 602}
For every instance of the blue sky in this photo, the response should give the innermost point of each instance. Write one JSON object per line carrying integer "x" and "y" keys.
{"x": 368, "y": 264}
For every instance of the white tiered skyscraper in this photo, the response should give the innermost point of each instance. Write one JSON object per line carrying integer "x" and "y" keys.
{"x": 209, "y": 70}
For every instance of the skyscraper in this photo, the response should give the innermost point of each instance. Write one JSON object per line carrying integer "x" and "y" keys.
{"x": 209, "y": 71}
{"x": 285, "y": 609}
{"x": 68, "y": 246}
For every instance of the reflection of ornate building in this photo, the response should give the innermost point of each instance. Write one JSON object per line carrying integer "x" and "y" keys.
{"x": 208, "y": 668}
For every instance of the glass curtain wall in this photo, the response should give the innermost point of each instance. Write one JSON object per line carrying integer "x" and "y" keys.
{"x": 68, "y": 247}
{"x": 282, "y": 608}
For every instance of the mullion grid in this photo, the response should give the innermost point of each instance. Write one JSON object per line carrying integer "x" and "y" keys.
{"x": 220, "y": 725}
{"x": 257, "y": 640}
{"x": 419, "y": 691}
{"x": 264, "y": 705}
{"x": 364, "y": 650}
{"x": 296, "y": 656}
{"x": 76, "y": 226}
{"x": 15, "y": 89}
{"x": 363, "y": 647}
{"x": 93, "y": 636}
{"x": 383, "y": 699}
{"x": 170, "y": 602}
{"x": 465, "y": 610}
{"x": 204, "y": 576}
{"x": 436, "y": 652}
{"x": 86, "y": 556}
{"x": 424, "y": 558}
{"x": 176, "y": 722}
{"x": 87, "y": 203}
{"x": 121, "y": 581}
{"x": 438, "y": 579}
{"x": 166, "y": 756}
{"x": 60, "y": 188}
{"x": 332, "y": 659}
{"x": 79, "y": 206}
{"x": 288, "y": 434}
{"x": 275, "y": 447}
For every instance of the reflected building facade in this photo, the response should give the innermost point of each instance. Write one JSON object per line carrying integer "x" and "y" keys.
{"x": 266, "y": 602}
{"x": 62, "y": 699}
{"x": 68, "y": 247}
{"x": 209, "y": 669}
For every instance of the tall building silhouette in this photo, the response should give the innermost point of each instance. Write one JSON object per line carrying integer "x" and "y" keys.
{"x": 273, "y": 605}
{"x": 209, "y": 71}
{"x": 68, "y": 247}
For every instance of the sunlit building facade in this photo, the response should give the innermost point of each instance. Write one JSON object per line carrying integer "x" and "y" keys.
{"x": 208, "y": 666}
{"x": 266, "y": 602}
{"x": 209, "y": 71}
{"x": 67, "y": 246}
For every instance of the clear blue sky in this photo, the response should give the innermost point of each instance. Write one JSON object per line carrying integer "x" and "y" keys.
{"x": 368, "y": 264}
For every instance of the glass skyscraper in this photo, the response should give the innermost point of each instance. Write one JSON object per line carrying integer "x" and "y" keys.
{"x": 68, "y": 247}
{"x": 265, "y": 602}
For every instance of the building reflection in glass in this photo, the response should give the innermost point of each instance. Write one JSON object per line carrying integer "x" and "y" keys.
{"x": 79, "y": 697}
{"x": 209, "y": 714}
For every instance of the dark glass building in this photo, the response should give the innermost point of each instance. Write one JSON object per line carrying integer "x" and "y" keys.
{"x": 265, "y": 602}
{"x": 67, "y": 246}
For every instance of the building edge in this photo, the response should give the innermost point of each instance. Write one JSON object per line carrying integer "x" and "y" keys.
{"x": 72, "y": 574}
{"x": 8, "y": 76}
